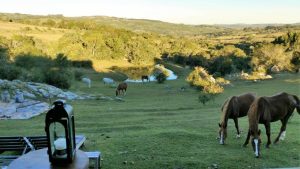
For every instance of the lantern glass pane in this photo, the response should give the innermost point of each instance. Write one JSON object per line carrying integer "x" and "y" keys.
{"x": 58, "y": 140}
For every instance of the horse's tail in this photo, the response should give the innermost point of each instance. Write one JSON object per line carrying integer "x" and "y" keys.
{"x": 297, "y": 103}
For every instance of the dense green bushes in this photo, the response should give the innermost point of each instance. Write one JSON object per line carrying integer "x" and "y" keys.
{"x": 27, "y": 67}
{"x": 61, "y": 78}
{"x": 203, "y": 81}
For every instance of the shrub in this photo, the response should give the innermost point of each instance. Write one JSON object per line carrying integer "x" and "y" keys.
{"x": 29, "y": 61}
{"x": 203, "y": 81}
{"x": 82, "y": 64}
{"x": 222, "y": 65}
{"x": 62, "y": 61}
{"x": 9, "y": 72}
{"x": 61, "y": 78}
{"x": 160, "y": 73}
{"x": 204, "y": 97}
{"x": 160, "y": 77}
{"x": 78, "y": 74}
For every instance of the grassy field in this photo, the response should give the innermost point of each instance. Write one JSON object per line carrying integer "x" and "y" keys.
{"x": 8, "y": 29}
{"x": 159, "y": 126}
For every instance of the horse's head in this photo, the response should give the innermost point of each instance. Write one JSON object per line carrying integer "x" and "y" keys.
{"x": 222, "y": 132}
{"x": 256, "y": 141}
{"x": 297, "y": 103}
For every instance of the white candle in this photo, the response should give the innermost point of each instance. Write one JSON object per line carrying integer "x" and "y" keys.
{"x": 60, "y": 144}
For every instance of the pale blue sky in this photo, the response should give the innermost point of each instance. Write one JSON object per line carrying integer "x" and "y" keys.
{"x": 176, "y": 11}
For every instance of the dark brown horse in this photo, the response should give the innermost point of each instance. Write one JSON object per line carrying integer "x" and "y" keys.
{"x": 122, "y": 87}
{"x": 265, "y": 110}
{"x": 233, "y": 108}
{"x": 145, "y": 77}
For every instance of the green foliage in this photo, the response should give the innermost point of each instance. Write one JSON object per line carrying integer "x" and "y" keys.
{"x": 160, "y": 73}
{"x": 62, "y": 61}
{"x": 9, "y": 72}
{"x": 88, "y": 64}
{"x": 296, "y": 60}
{"x": 61, "y": 78}
{"x": 291, "y": 39}
{"x": 29, "y": 61}
{"x": 24, "y": 44}
{"x": 160, "y": 77}
{"x": 223, "y": 65}
{"x": 205, "y": 97}
{"x": 78, "y": 74}
{"x": 268, "y": 55}
{"x": 203, "y": 81}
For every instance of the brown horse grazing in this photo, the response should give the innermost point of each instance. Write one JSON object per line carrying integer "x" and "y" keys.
{"x": 145, "y": 77}
{"x": 122, "y": 87}
{"x": 233, "y": 108}
{"x": 265, "y": 110}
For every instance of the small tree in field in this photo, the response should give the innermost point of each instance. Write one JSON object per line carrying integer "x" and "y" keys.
{"x": 160, "y": 73}
{"x": 206, "y": 83}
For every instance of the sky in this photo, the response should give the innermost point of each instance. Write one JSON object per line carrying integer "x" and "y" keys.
{"x": 175, "y": 11}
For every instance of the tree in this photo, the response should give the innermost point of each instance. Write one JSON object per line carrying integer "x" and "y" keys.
{"x": 269, "y": 55}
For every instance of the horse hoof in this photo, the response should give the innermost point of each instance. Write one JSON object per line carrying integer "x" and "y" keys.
{"x": 267, "y": 146}
{"x": 244, "y": 145}
{"x": 238, "y": 136}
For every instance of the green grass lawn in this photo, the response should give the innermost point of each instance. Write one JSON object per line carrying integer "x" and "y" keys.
{"x": 160, "y": 127}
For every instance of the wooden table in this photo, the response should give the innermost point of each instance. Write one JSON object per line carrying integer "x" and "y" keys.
{"x": 39, "y": 160}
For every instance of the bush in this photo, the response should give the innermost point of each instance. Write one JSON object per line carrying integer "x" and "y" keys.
{"x": 222, "y": 65}
{"x": 160, "y": 77}
{"x": 203, "y": 81}
{"x": 160, "y": 73}
{"x": 9, "y": 72}
{"x": 61, "y": 78}
{"x": 82, "y": 64}
{"x": 62, "y": 61}
{"x": 204, "y": 97}
{"x": 78, "y": 74}
{"x": 35, "y": 74}
{"x": 29, "y": 61}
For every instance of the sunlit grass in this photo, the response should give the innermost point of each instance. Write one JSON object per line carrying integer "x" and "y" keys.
{"x": 160, "y": 126}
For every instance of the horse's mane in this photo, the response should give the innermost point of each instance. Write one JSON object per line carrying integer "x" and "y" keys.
{"x": 224, "y": 111}
{"x": 229, "y": 104}
{"x": 260, "y": 108}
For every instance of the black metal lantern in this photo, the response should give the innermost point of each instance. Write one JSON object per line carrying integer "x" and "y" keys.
{"x": 60, "y": 132}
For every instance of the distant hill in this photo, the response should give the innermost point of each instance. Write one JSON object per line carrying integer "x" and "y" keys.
{"x": 135, "y": 25}
{"x": 144, "y": 25}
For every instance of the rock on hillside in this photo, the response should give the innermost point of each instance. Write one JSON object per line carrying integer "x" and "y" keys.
{"x": 33, "y": 90}
{"x": 21, "y": 100}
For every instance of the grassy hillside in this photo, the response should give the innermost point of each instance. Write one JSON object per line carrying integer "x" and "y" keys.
{"x": 159, "y": 126}
{"x": 46, "y": 34}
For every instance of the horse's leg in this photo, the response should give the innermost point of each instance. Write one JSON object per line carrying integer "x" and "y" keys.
{"x": 247, "y": 139}
{"x": 281, "y": 134}
{"x": 237, "y": 127}
{"x": 268, "y": 132}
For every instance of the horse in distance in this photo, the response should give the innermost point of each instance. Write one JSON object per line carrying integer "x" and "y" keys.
{"x": 145, "y": 77}
{"x": 87, "y": 81}
{"x": 107, "y": 80}
{"x": 122, "y": 87}
{"x": 234, "y": 108}
{"x": 265, "y": 110}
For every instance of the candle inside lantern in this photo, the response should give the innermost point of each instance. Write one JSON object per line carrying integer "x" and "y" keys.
{"x": 60, "y": 146}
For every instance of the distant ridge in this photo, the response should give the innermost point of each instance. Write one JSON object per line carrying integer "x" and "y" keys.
{"x": 146, "y": 25}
